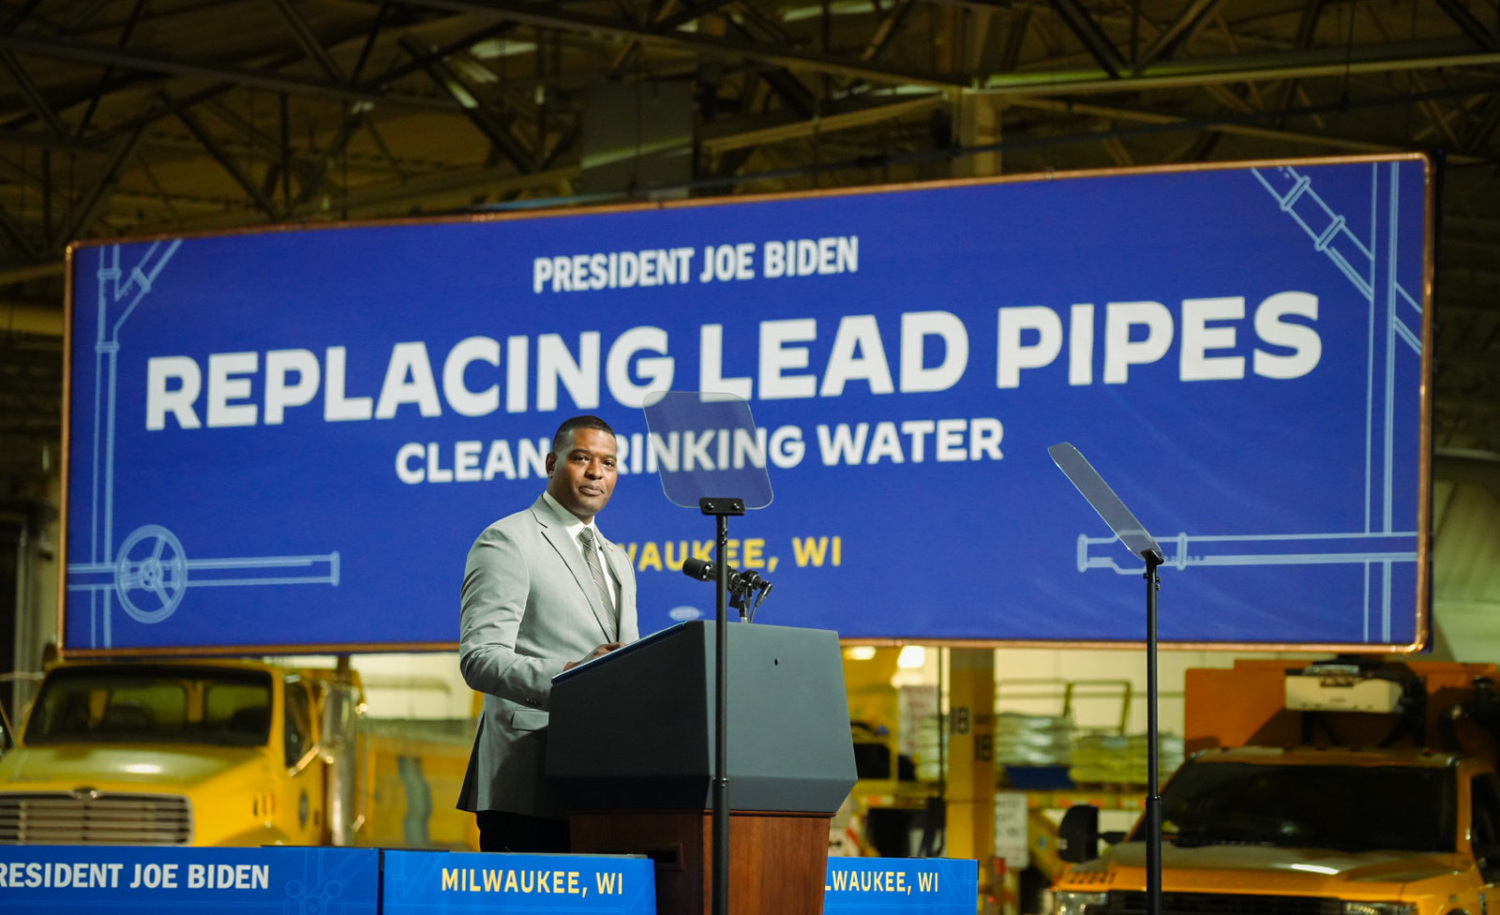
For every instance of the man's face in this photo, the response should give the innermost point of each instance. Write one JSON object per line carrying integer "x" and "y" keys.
{"x": 583, "y": 477}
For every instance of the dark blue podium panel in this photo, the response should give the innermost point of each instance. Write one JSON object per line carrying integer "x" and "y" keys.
{"x": 891, "y": 886}
{"x": 145, "y": 880}
{"x": 634, "y": 730}
{"x": 435, "y": 883}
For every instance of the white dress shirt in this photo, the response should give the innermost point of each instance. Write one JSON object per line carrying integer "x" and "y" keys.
{"x": 573, "y": 525}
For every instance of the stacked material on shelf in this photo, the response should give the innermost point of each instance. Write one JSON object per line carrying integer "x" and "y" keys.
{"x": 1033, "y": 740}
{"x": 1032, "y": 751}
{"x": 927, "y": 749}
{"x": 1114, "y": 759}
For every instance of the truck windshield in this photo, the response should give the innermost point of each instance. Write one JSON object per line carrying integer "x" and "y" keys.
{"x": 153, "y": 703}
{"x": 1355, "y": 808}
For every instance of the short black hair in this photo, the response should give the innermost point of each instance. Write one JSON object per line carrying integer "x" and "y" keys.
{"x": 564, "y": 433}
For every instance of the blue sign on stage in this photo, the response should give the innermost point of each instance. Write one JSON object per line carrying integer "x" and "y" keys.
{"x": 136, "y": 880}
{"x": 926, "y": 885}
{"x": 289, "y": 440}
{"x": 428, "y": 883}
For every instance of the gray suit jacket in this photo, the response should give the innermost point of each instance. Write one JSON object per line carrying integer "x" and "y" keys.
{"x": 529, "y": 607}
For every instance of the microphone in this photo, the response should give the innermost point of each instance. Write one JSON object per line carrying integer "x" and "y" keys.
{"x": 703, "y": 570}
{"x": 741, "y": 583}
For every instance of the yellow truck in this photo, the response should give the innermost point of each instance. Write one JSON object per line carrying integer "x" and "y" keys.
{"x": 1343, "y": 821}
{"x": 1325, "y": 832}
{"x": 222, "y": 752}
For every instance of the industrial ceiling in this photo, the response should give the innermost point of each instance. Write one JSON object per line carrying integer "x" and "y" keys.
{"x": 139, "y": 117}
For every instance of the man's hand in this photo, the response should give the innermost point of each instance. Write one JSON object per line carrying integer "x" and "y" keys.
{"x": 600, "y": 650}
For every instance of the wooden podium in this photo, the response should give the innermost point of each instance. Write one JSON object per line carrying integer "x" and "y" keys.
{"x": 630, "y": 749}
{"x": 778, "y": 861}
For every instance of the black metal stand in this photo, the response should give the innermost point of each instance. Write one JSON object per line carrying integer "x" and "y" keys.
{"x": 1140, "y": 543}
{"x": 1153, "y": 790}
{"x": 721, "y": 510}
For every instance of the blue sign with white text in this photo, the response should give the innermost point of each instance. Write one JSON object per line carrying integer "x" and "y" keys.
{"x": 421, "y": 882}
{"x": 136, "y": 880}
{"x": 289, "y": 440}
{"x": 926, "y": 885}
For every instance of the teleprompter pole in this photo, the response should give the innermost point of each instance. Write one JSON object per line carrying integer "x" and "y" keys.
{"x": 721, "y": 510}
{"x": 1134, "y": 536}
{"x": 1153, "y": 788}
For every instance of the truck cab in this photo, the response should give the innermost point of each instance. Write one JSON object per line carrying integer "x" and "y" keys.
{"x": 212, "y": 752}
{"x": 1345, "y": 787}
{"x": 1305, "y": 830}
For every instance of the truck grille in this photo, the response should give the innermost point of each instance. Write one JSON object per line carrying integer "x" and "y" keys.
{"x": 91, "y": 818}
{"x": 1134, "y": 903}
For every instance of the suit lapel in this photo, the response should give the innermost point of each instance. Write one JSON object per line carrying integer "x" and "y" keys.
{"x": 572, "y": 556}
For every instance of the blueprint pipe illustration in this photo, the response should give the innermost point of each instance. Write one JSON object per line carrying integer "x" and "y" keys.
{"x": 150, "y": 572}
{"x": 267, "y": 570}
{"x": 1372, "y": 268}
{"x": 1186, "y": 550}
{"x": 106, "y": 353}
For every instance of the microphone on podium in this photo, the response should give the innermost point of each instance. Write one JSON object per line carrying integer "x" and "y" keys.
{"x": 701, "y": 569}
{"x": 741, "y": 583}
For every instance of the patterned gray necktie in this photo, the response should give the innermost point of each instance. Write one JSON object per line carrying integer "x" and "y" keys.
{"x": 586, "y": 540}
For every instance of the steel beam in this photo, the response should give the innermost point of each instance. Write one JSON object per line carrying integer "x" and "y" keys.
{"x": 226, "y": 163}
{"x": 1243, "y": 130}
{"x": 32, "y": 94}
{"x": 1247, "y": 69}
{"x": 683, "y": 17}
{"x": 93, "y": 205}
{"x": 353, "y": 119}
{"x": 550, "y": 16}
{"x": 1469, "y": 25}
{"x": 17, "y": 235}
{"x": 180, "y": 103}
{"x": 483, "y": 119}
{"x": 50, "y": 141}
{"x": 1015, "y": 40}
{"x": 20, "y": 14}
{"x": 383, "y": 200}
{"x": 825, "y": 124}
{"x": 31, "y": 319}
{"x": 271, "y": 145}
{"x": 1480, "y": 134}
{"x": 886, "y": 30}
{"x": 99, "y": 55}
{"x": 1179, "y": 32}
{"x": 309, "y": 43}
{"x": 88, "y": 114}
{"x": 442, "y": 52}
{"x": 1087, "y": 31}
{"x": 27, "y": 272}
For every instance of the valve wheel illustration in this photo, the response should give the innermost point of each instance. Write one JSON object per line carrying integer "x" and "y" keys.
{"x": 151, "y": 574}
{"x": 313, "y": 900}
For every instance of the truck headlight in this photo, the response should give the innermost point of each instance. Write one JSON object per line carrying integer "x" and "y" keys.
{"x": 1379, "y": 908}
{"x": 1065, "y": 902}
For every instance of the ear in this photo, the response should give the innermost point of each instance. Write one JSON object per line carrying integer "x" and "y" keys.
{"x": 551, "y": 462}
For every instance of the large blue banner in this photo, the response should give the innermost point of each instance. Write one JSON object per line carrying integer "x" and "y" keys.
{"x": 290, "y": 439}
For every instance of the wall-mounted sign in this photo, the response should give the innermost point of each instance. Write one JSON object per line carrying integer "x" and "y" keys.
{"x": 288, "y": 440}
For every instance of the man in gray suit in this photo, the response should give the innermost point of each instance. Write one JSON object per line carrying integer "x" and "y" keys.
{"x": 543, "y": 591}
